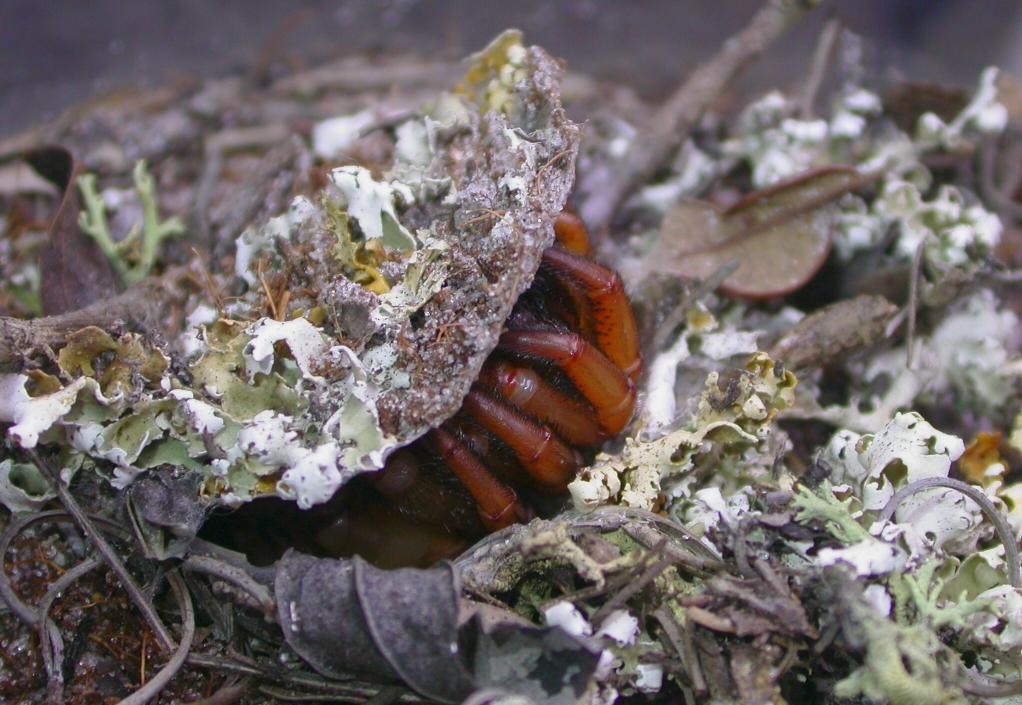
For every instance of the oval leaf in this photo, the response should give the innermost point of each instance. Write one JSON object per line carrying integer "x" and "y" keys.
{"x": 780, "y": 236}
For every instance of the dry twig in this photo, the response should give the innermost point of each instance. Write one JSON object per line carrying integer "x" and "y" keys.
{"x": 106, "y": 551}
{"x": 673, "y": 122}
{"x": 822, "y": 53}
{"x": 153, "y": 687}
{"x": 138, "y": 306}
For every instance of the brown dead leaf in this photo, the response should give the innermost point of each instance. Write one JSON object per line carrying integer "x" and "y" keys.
{"x": 74, "y": 272}
{"x": 981, "y": 454}
{"x": 780, "y": 236}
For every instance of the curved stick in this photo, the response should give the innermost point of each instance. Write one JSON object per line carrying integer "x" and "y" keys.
{"x": 50, "y": 642}
{"x": 153, "y": 687}
{"x": 973, "y": 684}
{"x": 22, "y": 611}
{"x": 1011, "y": 557}
{"x": 235, "y": 576}
{"x": 106, "y": 551}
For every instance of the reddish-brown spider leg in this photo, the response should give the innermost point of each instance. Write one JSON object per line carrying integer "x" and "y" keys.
{"x": 571, "y": 234}
{"x": 497, "y": 503}
{"x": 404, "y": 483}
{"x": 524, "y": 389}
{"x": 546, "y": 458}
{"x": 605, "y": 386}
{"x": 615, "y": 330}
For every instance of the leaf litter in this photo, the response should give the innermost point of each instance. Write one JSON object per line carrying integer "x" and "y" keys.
{"x": 819, "y": 498}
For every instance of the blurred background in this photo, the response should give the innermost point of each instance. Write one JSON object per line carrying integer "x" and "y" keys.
{"x": 54, "y": 53}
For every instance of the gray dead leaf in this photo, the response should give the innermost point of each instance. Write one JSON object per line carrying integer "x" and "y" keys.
{"x": 546, "y": 665}
{"x": 347, "y": 616}
{"x": 833, "y": 332}
{"x": 167, "y": 512}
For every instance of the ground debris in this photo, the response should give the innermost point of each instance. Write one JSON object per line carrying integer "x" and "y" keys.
{"x": 819, "y": 499}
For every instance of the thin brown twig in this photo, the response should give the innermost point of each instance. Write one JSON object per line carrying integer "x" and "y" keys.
{"x": 913, "y": 305}
{"x": 138, "y": 306}
{"x": 818, "y": 65}
{"x": 684, "y": 648}
{"x": 356, "y": 76}
{"x": 786, "y": 215}
{"x": 629, "y": 591}
{"x": 677, "y": 315}
{"x": 235, "y": 663}
{"x": 153, "y": 687}
{"x": 50, "y": 642}
{"x": 106, "y": 551}
{"x": 354, "y": 695}
{"x": 142, "y": 658}
{"x": 674, "y": 120}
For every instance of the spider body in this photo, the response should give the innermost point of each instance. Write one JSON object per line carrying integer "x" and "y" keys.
{"x": 559, "y": 384}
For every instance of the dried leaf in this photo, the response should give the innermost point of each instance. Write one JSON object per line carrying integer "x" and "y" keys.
{"x": 907, "y": 102}
{"x": 74, "y": 272}
{"x": 980, "y": 455}
{"x": 167, "y": 511}
{"x": 345, "y": 616}
{"x": 780, "y": 236}
{"x": 546, "y": 665}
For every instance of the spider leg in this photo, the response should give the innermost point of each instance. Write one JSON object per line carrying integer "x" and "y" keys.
{"x": 524, "y": 389}
{"x": 497, "y": 503}
{"x": 419, "y": 493}
{"x": 615, "y": 330}
{"x": 571, "y": 234}
{"x": 546, "y": 458}
{"x": 609, "y": 389}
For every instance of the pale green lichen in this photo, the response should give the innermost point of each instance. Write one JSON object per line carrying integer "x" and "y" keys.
{"x": 825, "y": 506}
{"x": 984, "y": 115}
{"x": 920, "y": 596}
{"x": 779, "y": 146}
{"x": 971, "y": 352}
{"x": 900, "y": 665}
{"x": 134, "y": 256}
{"x": 370, "y": 203}
{"x": 23, "y": 487}
{"x": 731, "y": 430}
{"x": 276, "y": 384}
{"x": 494, "y": 71}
